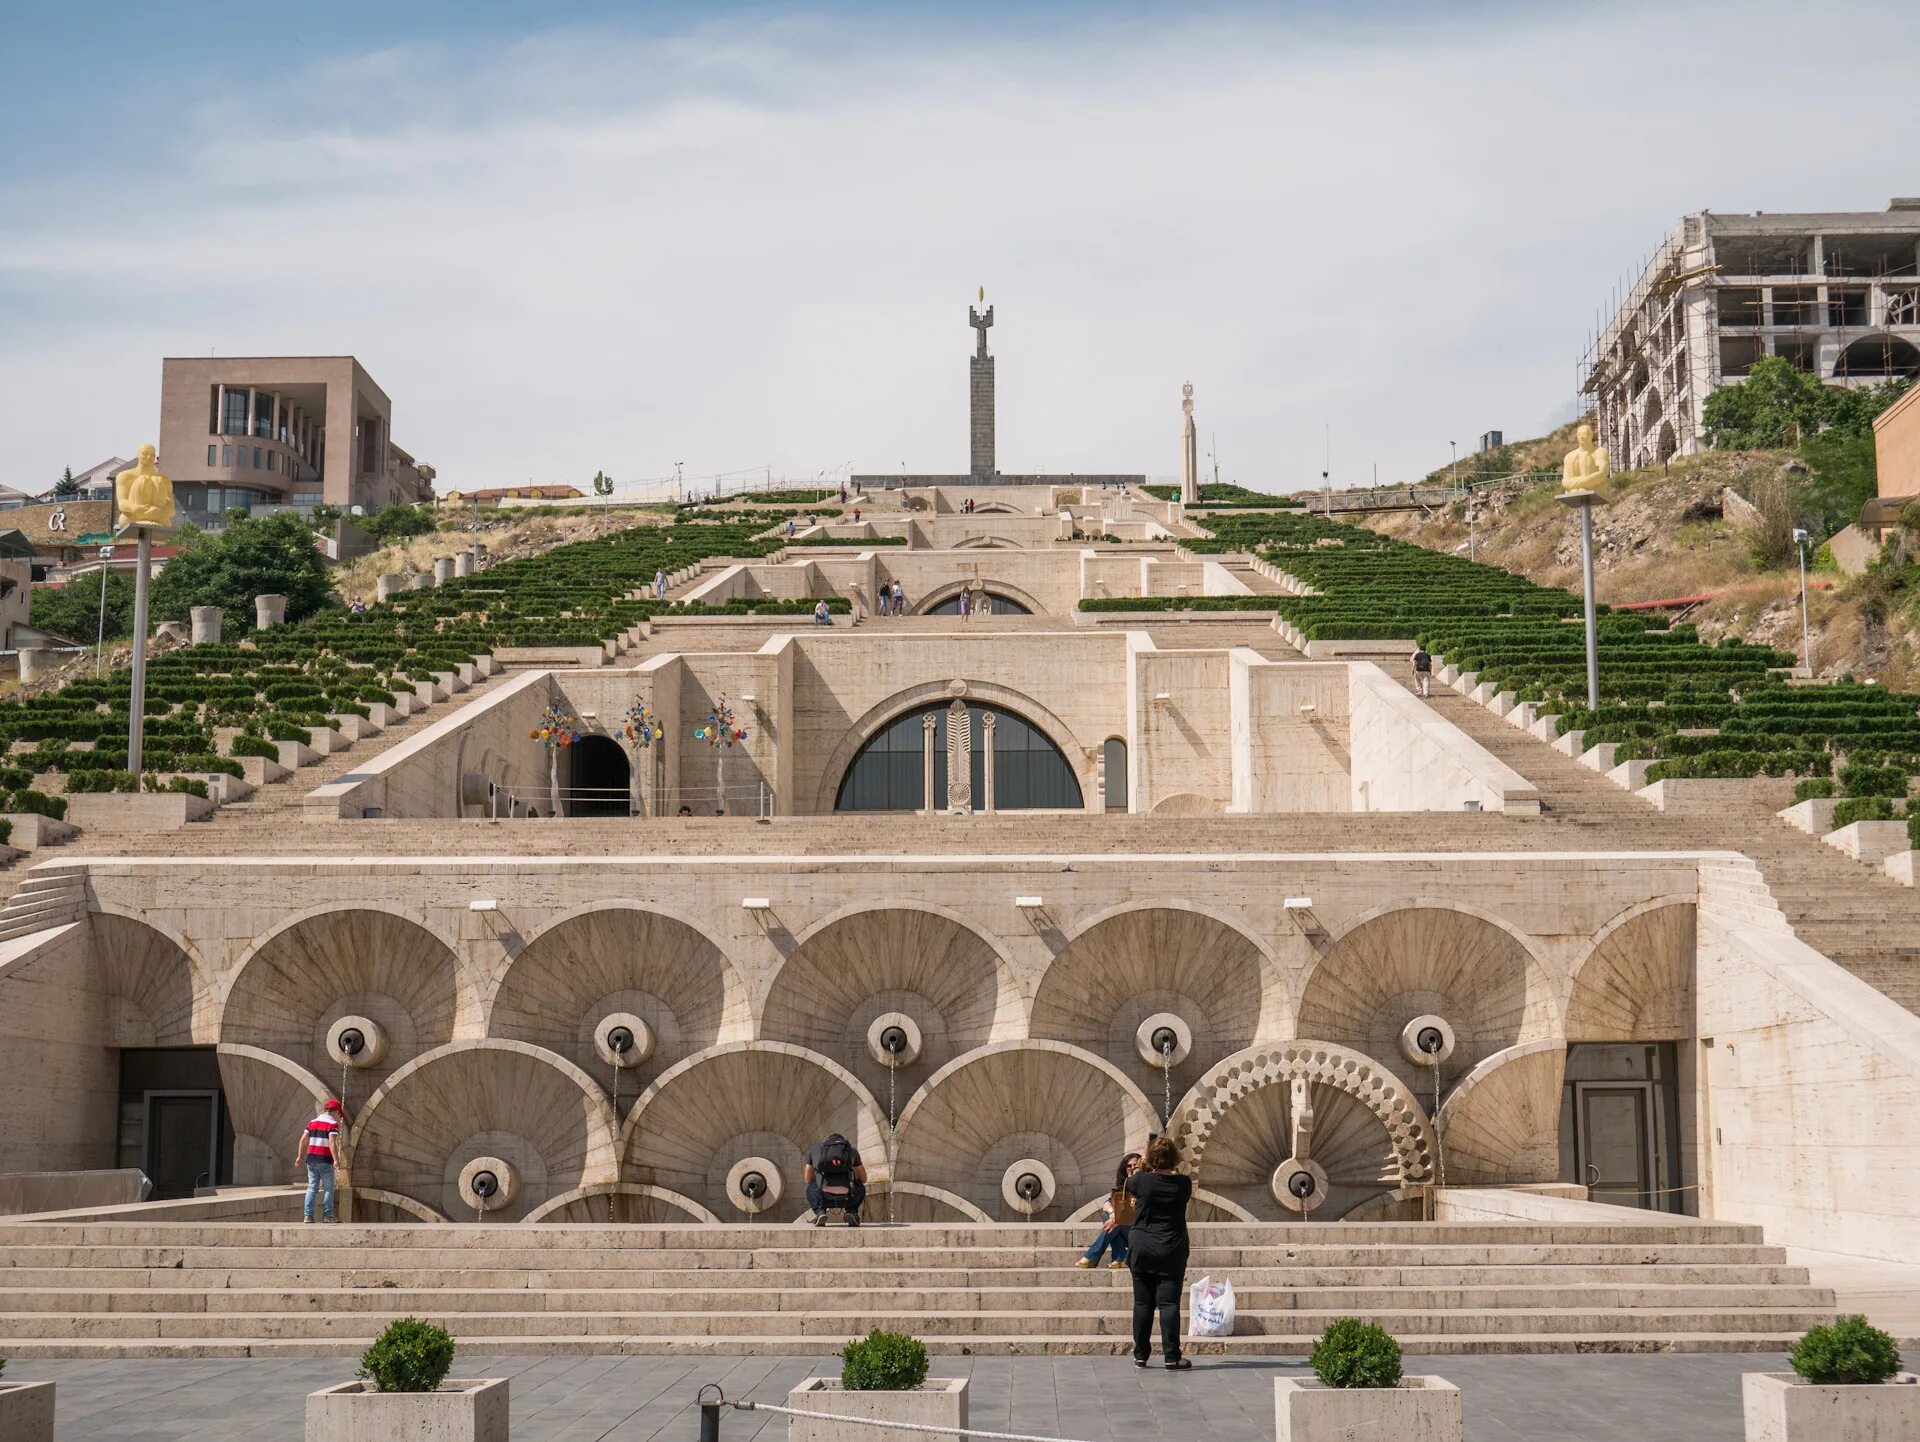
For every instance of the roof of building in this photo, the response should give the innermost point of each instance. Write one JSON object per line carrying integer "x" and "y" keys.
{"x": 535, "y": 493}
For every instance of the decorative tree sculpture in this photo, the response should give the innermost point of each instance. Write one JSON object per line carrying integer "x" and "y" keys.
{"x": 642, "y": 729}
{"x": 721, "y": 733}
{"x": 558, "y": 728}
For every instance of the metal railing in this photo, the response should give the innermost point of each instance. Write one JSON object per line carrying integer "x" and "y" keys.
{"x": 511, "y": 803}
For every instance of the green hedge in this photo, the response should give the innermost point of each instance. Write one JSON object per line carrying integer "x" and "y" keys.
{"x": 1181, "y": 603}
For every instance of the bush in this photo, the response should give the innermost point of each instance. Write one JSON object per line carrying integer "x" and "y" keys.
{"x": 409, "y": 1356}
{"x": 1913, "y": 831}
{"x": 1857, "y": 780}
{"x": 102, "y": 780}
{"x": 73, "y": 610}
{"x": 393, "y": 523}
{"x": 253, "y": 746}
{"x": 883, "y": 1362}
{"x": 1814, "y": 788}
{"x": 1850, "y": 1352}
{"x": 1352, "y": 1353}
{"x": 1864, "y": 808}
{"x": 38, "y": 802}
{"x": 6, "y": 835}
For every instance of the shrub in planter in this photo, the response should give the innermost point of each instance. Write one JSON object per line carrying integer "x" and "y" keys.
{"x": 409, "y": 1356}
{"x": 1857, "y": 780}
{"x": 1814, "y": 788}
{"x": 38, "y": 802}
{"x": 1913, "y": 830}
{"x": 1352, "y": 1353}
{"x": 1864, "y": 808}
{"x": 1850, "y": 1352}
{"x": 253, "y": 746}
{"x": 6, "y": 835}
{"x": 883, "y": 1362}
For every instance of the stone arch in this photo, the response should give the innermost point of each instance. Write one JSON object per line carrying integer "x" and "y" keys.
{"x": 950, "y": 589}
{"x": 269, "y": 1099}
{"x": 1131, "y": 961}
{"x": 610, "y": 956}
{"x": 1879, "y": 355}
{"x": 1501, "y": 1125}
{"x": 987, "y": 543}
{"x": 372, "y": 1204}
{"x": 633, "y": 1203}
{"x": 1003, "y": 1103}
{"x": 737, "y": 1100}
{"x": 535, "y": 1110}
{"x": 1186, "y": 803}
{"x": 918, "y": 1202}
{"x": 917, "y": 958}
{"x": 329, "y": 962}
{"x": 162, "y": 992}
{"x": 1406, "y": 1158}
{"x": 1206, "y": 1206}
{"x": 985, "y": 693}
{"x": 1666, "y": 444}
{"x": 1634, "y": 981}
{"x": 1408, "y": 958}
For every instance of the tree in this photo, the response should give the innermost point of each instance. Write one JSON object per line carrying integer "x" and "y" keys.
{"x": 66, "y": 488}
{"x": 602, "y": 484}
{"x": 396, "y": 522}
{"x": 72, "y": 611}
{"x": 1776, "y": 407}
{"x": 251, "y": 557}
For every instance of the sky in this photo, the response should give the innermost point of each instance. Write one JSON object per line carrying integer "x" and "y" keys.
{"x": 578, "y": 237}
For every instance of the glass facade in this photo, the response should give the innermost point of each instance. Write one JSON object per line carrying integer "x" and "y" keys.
{"x": 1620, "y": 1124}
{"x": 992, "y": 602}
{"x": 235, "y": 420}
{"x": 889, "y": 774}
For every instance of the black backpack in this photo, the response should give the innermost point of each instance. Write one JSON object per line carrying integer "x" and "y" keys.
{"x": 836, "y": 1163}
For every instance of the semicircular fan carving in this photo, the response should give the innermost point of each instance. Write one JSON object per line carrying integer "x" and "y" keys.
{"x": 269, "y": 1100}
{"x": 1048, "y": 1101}
{"x": 1119, "y": 972}
{"x": 153, "y": 984}
{"x": 1637, "y": 982}
{"x": 748, "y": 1099}
{"x": 535, "y": 1111}
{"x": 618, "y": 959}
{"x": 627, "y": 1203}
{"x": 351, "y": 962}
{"x": 1501, "y": 1125}
{"x": 892, "y": 959}
{"x": 1419, "y": 960}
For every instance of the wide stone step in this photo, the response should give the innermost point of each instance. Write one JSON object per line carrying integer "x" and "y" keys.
{"x": 1114, "y": 1290}
{"x": 1404, "y": 1323}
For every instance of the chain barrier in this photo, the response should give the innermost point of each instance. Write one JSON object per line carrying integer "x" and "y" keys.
{"x": 712, "y": 1399}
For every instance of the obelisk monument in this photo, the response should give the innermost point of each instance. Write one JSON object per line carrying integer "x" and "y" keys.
{"x": 1189, "y": 451}
{"x": 980, "y": 389}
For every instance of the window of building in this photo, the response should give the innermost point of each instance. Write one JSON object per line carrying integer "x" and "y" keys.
{"x": 226, "y": 456}
{"x": 889, "y": 773}
{"x": 991, "y": 603}
{"x": 1114, "y": 753}
{"x": 256, "y": 458}
{"x": 236, "y": 419}
{"x": 211, "y": 452}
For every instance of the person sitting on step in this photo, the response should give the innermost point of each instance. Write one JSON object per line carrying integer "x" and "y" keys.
{"x": 836, "y": 1180}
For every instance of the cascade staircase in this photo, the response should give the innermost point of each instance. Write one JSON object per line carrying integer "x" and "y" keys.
{"x": 125, "y": 1289}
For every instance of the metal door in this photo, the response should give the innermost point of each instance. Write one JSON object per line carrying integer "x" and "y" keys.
{"x": 182, "y": 1141}
{"x": 1613, "y": 1141}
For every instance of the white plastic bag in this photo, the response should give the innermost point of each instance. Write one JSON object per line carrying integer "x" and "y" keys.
{"x": 1210, "y": 1308}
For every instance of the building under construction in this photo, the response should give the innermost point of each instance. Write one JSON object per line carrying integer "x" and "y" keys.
{"x": 1838, "y": 294}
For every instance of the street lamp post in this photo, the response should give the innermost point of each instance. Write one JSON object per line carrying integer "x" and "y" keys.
{"x": 100, "y": 648}
{"x": 1584, "y": 500}
{"x": 1800, "y": 539}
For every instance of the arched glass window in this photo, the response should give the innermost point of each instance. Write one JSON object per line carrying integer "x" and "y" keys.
{"x": 1115, "y": 752}
{"x": 889, "y": 773}
{"x": 993, "y": 602}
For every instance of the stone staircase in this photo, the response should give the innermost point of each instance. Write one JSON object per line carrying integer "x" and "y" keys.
{"x": 45, "y": 897}
{"x": 94, "y": 1289}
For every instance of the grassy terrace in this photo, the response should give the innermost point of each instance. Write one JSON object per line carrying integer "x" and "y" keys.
{"x": 1224, "y": 495}
{"x": 1666, "y": 696}
{"x": 279, "y": 683}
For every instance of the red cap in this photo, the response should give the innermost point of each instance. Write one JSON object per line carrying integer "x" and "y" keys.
{"x": 331, "y": 1104}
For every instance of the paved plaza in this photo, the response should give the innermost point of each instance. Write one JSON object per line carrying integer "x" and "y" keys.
{"x": 1691, "y": 1398}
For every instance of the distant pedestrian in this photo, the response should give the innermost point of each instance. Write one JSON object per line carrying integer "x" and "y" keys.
{"x": 966, "y": 604}
{"x": 318, "y": 1142}
{"x": 899, "y": 599}
{"x": 843, "y": 495}
{"x": 856, "y": 515}
{"x": 882, "y": 600}
{"x": 1119, "y": 1214}
{"x": 789, "y": 527}
{"x": 659, "y": 585}
{"x": 1157, "y": 1249}
{"x": 1422, "y": 668}
{"x": 821, "y": 616}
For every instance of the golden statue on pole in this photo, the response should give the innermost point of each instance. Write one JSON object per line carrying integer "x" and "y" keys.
{"x": 141, "y": 495}
{"x": 1587, "y": 466}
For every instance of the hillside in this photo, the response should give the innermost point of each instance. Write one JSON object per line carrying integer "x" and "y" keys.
{"x": 1664, "y": 533}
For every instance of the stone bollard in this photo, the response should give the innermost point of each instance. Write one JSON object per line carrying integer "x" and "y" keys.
{"x": 419, "y": 581}
{"x": 206, "y": 625}
{"x": 442, "y": 570}
{"x": 35, "y": 662}
{"x": 269, "y": 611}
{"x": 463, "y": 564}
{"x": 170, "y": 631}
{"x": 385, "y": 588}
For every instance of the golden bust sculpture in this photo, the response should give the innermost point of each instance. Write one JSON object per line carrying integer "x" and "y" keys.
{"x": 1586, "y": 467}
{"x": 141, "y": 495}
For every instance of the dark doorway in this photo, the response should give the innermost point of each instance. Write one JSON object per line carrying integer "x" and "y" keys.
{"x": 600, "y": 776}
{"x": 1620, "y": 1124}
{"x": 173, "y": 1119}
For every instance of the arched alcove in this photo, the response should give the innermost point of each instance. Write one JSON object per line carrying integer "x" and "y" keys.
{"x": 599, "y": 778}
{"x": 889, "y": 772}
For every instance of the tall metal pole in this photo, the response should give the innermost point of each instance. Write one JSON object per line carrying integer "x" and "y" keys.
{"x": 137, "y": 704}
{"x": 1806, "y": 631}
{"x": 1586, "y": 576}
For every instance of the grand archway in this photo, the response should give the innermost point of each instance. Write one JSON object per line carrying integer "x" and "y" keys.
{"x": 1013, "y": 764}
{"x": 599, "y": 778}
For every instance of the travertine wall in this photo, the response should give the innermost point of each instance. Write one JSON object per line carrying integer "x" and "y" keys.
{"x": 1407, "y": 757}
{"x": 57, "y": 1034}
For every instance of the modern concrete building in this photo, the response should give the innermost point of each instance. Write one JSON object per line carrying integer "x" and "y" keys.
{"x": 1838, "y": 294}
{"x": 1896, "y": 448}
{"x": 267, "y": 430}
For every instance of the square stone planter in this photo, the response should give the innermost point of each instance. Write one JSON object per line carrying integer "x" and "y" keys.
{"x": 26, "y": 1411}
{"x": 936, "y": 1402}
{"x": 1780, "y": 1407}
{"x": 1420, "y": 1409}
{"x": 473, "y": 1410}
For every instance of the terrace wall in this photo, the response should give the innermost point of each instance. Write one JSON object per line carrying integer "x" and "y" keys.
{"x": 57, "y": 1033}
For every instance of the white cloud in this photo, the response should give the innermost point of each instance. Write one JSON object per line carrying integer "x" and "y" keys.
{"x": 754, "y": 242}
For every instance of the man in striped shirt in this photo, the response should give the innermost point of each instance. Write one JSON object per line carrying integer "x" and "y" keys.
{"x": 317, "y": 1144}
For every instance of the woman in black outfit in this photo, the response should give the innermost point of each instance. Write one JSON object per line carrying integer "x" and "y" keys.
{"x": 1158, "y": 1256}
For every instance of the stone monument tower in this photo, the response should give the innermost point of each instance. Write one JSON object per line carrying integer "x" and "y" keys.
{"x": 980, "y": 389}
{"x": 1189, "y": 451}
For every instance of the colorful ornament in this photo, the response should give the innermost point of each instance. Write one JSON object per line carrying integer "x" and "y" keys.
{"x": 718, "y": 729}
{"x": 557, "y": 727}
{"x": 641, "y": 726}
